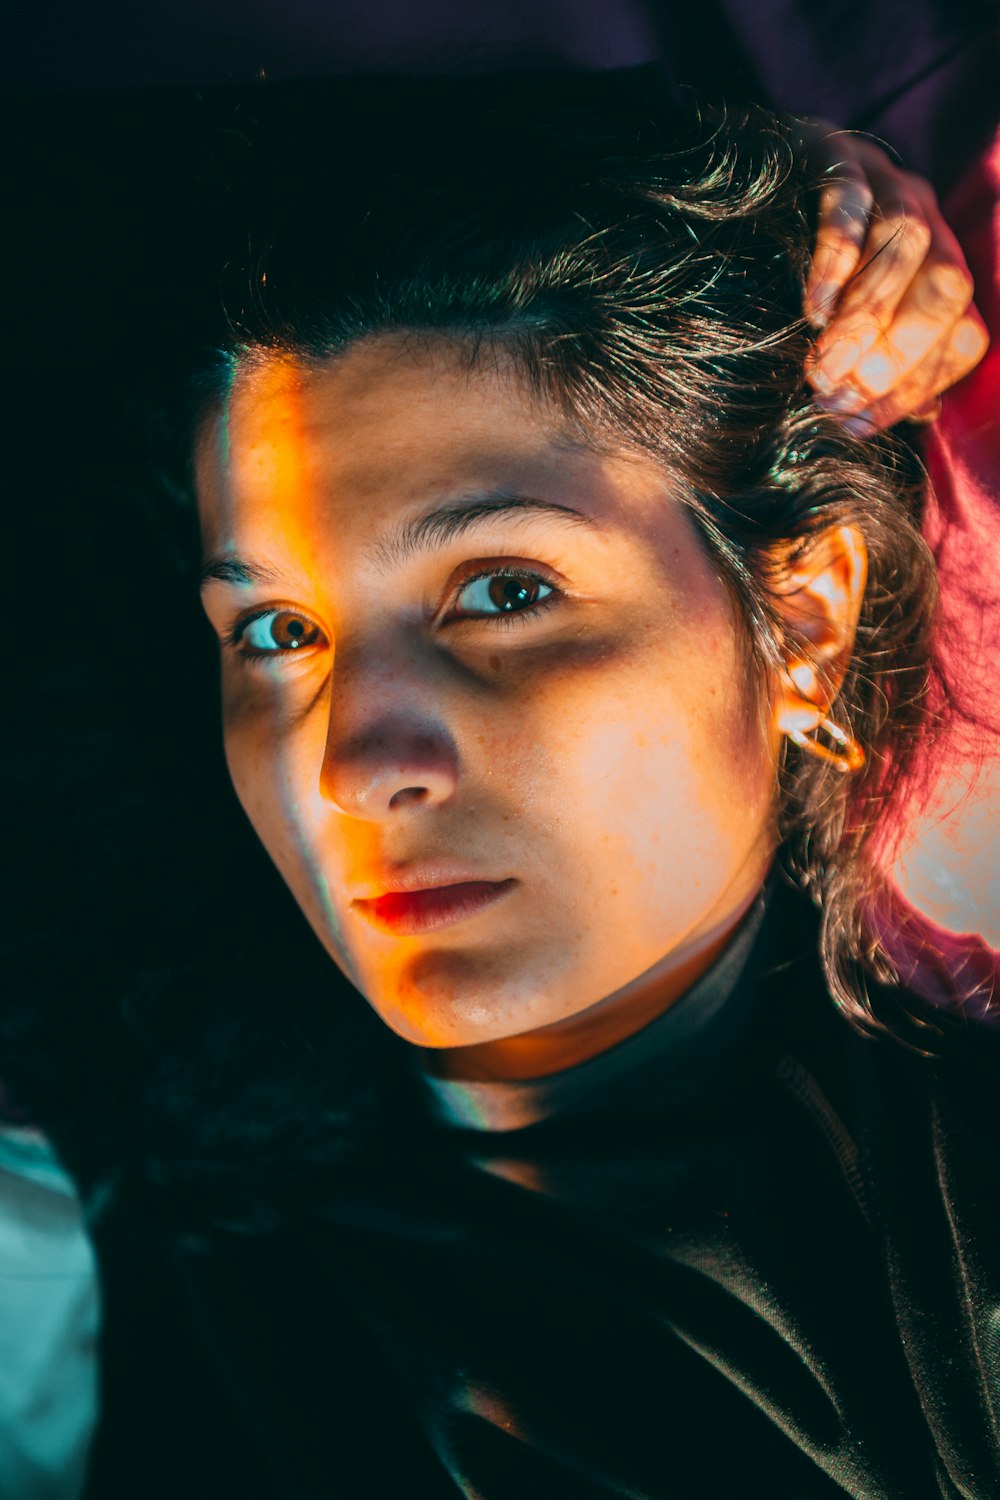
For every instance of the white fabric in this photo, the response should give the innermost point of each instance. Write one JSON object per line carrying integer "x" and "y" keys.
{"x": 49, "y": 1324}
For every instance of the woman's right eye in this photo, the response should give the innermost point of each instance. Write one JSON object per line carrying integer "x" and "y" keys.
{"x": 273, "y": 632}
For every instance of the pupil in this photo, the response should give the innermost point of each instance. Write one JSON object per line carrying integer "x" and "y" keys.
{"x": 513, "y": 591}
{"x": 295, "y": 632}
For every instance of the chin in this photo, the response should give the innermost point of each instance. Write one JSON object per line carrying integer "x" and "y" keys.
{"x": 453, "y": 999}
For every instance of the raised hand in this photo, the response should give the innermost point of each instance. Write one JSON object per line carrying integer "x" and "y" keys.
{"x": 889, "y": 290}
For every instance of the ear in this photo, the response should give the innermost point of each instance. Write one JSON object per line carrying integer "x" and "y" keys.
{"x": 819, "y": 598}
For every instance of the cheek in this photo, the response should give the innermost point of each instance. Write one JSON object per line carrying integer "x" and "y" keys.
{"x": 659, "y": 793}
{"x": 250, "y": 760}
{"x": 665, "y": 781}
{"x": 270, "y": 774}
{"x": 264, "y": 767}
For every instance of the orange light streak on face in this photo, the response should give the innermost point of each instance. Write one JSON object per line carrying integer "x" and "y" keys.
{"x": 273, "y": 472}
{"x": 274, "y": 466}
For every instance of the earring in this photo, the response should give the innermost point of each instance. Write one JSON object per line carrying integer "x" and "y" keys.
{"x": 801, "y": 718}
{"x": 852, "y": 757}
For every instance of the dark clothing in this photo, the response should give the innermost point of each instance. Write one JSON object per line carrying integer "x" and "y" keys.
{"x": 762, "y": 1261}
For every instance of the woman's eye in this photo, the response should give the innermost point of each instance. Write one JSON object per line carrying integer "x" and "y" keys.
{"x": 502, "y": 592}
{"x": 277, "y": 631}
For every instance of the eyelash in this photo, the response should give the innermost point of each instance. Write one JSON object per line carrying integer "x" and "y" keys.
{"x": 232, "y": 639}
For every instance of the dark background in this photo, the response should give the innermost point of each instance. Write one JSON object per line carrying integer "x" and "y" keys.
{"x": 114, "y": 116}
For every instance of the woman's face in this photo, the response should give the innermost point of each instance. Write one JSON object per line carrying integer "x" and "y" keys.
{"x": 577, "y": 730}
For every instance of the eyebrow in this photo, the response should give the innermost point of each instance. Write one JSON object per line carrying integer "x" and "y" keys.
{"x": 434, "y": 528}
{"x": 237, "y": 570}
{"x": 454, "y": 518}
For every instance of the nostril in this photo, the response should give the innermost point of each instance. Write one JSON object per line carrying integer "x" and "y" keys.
{"x": 408, "y": 794}
{"x": 384, "y": 769}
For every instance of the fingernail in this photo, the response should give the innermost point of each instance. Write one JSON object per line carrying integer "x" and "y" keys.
{"x": 860, "y": 426}
{"x": 819, "y": 303}
{"x": 842, "y": 402}
{"x": 820, "y": 380}
{"x": 927, "y": 414}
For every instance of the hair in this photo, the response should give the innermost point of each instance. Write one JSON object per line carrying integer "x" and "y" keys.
{"x": 644, "y": 274}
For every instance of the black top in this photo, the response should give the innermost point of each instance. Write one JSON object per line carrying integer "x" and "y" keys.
{"x": 748, "y": 1251}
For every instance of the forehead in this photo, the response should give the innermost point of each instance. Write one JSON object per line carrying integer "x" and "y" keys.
{"x": 390, "y": 427}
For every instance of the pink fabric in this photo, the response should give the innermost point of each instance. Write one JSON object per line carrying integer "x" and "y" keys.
{"x": 947, "y": 868}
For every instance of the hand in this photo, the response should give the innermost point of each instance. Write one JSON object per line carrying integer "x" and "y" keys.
{"x": 889, "y": 288}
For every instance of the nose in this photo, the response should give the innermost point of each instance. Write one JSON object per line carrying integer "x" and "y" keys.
{"x": 386, "y": 745}
{"x": 387, "y": 767}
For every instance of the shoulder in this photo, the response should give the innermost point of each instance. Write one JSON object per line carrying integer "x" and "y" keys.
{"x": 912, "y": 1108}
{"x": 924, "y": 1060}
{"x": 913, "y": 1115}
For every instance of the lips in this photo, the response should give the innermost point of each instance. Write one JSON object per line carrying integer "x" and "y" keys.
{"x": 404, "y": 913}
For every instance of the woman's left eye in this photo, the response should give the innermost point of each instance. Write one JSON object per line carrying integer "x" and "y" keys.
{"x": 503, "y": 593}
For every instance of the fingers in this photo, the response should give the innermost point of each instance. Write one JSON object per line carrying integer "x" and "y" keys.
{"x": 927, "y": 414}
{"x": 866, "y": 355}
{"x": 903, "y": 328}
{"x": 916, "y": 396}
{"x": 899, "y": 240}
{"x": 905, "y": 234}
{"x": 844, "y": 207}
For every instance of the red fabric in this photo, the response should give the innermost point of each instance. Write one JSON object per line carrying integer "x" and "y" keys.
{"x": 947, "y": 869}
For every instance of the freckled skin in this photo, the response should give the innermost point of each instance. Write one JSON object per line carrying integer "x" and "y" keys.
{"x": 596, "y": 754}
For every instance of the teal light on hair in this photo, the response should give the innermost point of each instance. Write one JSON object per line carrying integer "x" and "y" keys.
{"x": 225, "y": 445}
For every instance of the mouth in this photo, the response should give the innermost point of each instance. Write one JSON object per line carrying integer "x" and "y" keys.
{"x": 404, "y": 913}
